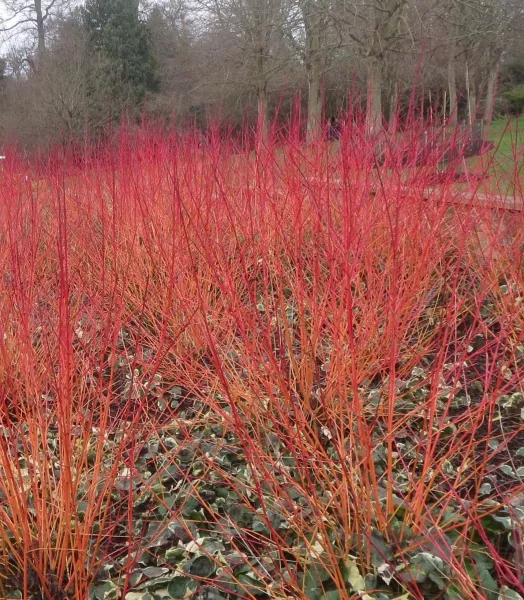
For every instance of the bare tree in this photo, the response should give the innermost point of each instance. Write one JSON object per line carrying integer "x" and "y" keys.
{"x": 31, "y": 18}
{"x": 375, "y": 27}
{"x": 177, "y": 56}
{"x": 248, "y": 44}
{"x": 315, "y": 22}
{"x": 479, "y": 33}
{"x": 73, "y": 89}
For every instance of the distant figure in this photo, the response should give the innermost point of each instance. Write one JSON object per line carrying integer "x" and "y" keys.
{"x": 334, "y": 130}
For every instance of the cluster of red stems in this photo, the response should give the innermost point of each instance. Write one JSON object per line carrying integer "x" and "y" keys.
{"x": 292, "y": 289}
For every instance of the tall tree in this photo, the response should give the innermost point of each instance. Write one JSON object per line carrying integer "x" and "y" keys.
{"x": 117, "y": 31}
{"x": 375, "y": 27}
{"x": 177, "y": 57}
{"x": 249, "y": 33}
{"x": 31, "y": 18}
{"x": 316, "y": 24}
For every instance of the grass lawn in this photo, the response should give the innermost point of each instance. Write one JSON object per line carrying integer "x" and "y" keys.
{"x": 505, "y": 164}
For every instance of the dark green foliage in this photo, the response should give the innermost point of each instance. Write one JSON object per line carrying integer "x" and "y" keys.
{"x": 116, "y": 31}
{"x": 515, "y": 98}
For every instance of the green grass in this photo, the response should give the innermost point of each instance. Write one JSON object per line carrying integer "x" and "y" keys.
{"x": 505, "y": 163}
{"x": 505, "y": 134}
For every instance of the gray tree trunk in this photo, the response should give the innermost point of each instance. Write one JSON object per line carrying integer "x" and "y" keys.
{"x": 263, "y": 118}
{"x": 374, "y": 101}
{"x": 393, "y": 108}
{"x": 40, "y": 28}
{"x": 490, "y": 93}
{"x": 452, "y": 89}
{"x": 314, "y": 103}
{"x": 470, "y": 93}
{"x": 314, "y": 26}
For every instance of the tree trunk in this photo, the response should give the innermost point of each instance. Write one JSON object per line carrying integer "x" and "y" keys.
{"x": 314, "y": 27}
{"x": 314, "y": 103}
{"x": 39, "y": 17}
{"x": 374, "y": 101}
{"x": 263, "y": 121}
{"x": 490, "y": 93}
{"x": 452, "y": 88}
{"x": 470, "y": 99}
{"x": 393, "y": 109}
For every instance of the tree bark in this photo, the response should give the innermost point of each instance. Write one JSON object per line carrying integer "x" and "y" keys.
{"x": 314, "y": 103}
{"x": 472, "y": 100}
{"x": 263, "y": 120}
{"x": 40, "y": 28}
{"x": 374, "y": 101}
{"x": 490, "y": 93}
{"x": 452, "y": 86}
{"x": 470, "y": 94}
{"x": 393, "y": 108}
{"x": 314, "y": 27}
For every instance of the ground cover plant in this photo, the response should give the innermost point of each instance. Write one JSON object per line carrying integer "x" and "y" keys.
{"x": 289, "y": 373}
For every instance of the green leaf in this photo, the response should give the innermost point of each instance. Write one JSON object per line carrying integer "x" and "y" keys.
{"x": 155, "y": 571}
{"x": 494, "y": 524}
{"x": 507, "y": 594}
{"x": 454, "y": 593}
{"x": 313, "y": 579}
{"x": 240, "y": 515}
{"x": 106, "y": 590}
{"x": 180, "y": 586}
{"x": 212, "y": 593}
{"x": 212, "y": 545}
{"x": 380, "y": 549}
{"x": 485, "y": 489}
{"x": 174, "y": 554}
{"x": 353, "y": 576}
{"x": 439, "y": 579}
{"x": 332, "y": 595}
{"x": 250, "y": 585}
{"x": 504, "y": 520}
{"x": 507, "y": 470}
{"x": 424, "y": 564}
{"x": 201, "y": 566}
{"x": 260, "y": 527}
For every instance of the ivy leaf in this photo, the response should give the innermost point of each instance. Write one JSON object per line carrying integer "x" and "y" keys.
{"x": 424, "y": 564}
{"x": 212, "y": 593}
{"x": 313, "y": 578}
{"x": 251, "y": 586}
{"x": 201, "y": 566}
{"x": 331, "y": 595}
{"x": 504, "y": 520}
{"x": 107, "y": 590}
{"x": 155, "y": 571}
{"x": 180, "y": 586}
{"x": 353, "y": 576}
{"x": 508, "y": 594}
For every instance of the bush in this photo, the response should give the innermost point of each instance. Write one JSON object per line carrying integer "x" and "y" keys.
{"x": 515, "y": 98}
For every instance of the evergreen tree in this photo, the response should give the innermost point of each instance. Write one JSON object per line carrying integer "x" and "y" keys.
{"x": 116, "y": 31}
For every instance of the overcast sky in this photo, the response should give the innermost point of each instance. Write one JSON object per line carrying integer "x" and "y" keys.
{"x": 8, "y": 37}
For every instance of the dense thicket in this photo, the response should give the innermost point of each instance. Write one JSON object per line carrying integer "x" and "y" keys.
{"x": 68, "y": 70}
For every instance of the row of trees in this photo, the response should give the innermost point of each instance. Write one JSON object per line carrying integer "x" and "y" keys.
{"x": 69, "y": 69}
